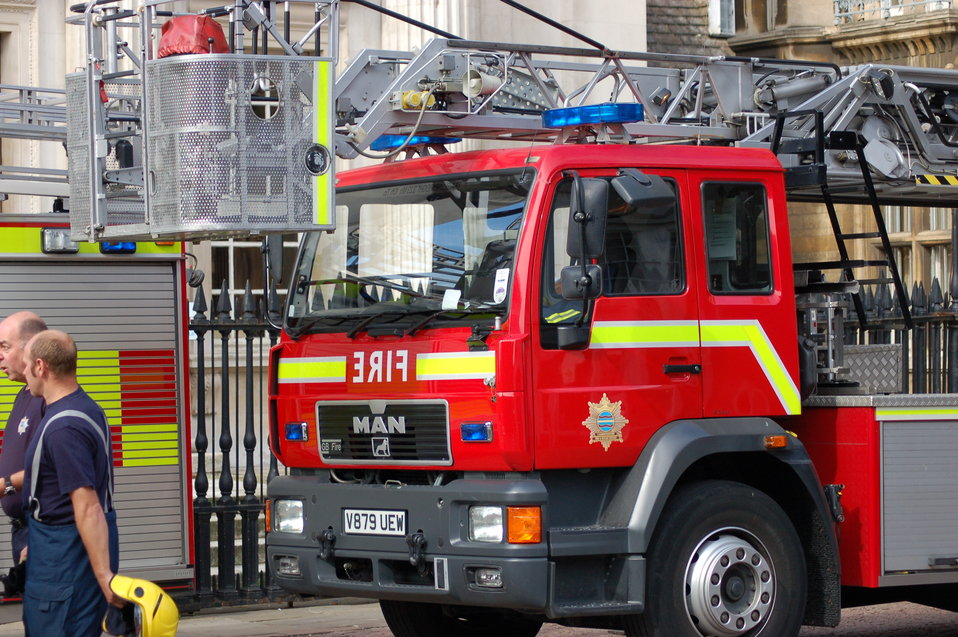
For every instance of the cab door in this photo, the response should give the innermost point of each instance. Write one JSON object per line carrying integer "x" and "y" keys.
{"x": 599, "y": 405}
{"x": 746, "y": 301}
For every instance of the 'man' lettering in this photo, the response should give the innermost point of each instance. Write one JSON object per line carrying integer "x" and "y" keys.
{"x": 391, "y": 425}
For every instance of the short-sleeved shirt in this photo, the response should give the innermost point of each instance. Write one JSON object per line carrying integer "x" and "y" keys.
{"x": 23, "y": 421}
{"x": 73, "y": 456}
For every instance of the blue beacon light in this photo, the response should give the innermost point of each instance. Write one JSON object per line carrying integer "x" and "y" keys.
{"x": 117, "y": 247}
{"x": 391, "y": 142}
{"x": 608, "y": 113}
{"x": 476, "y": 431}
{"x": 297, "y": 431}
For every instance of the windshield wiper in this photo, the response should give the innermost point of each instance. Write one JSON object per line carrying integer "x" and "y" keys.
{"x": 359, "y": 327}
{"x": 452, "y": 314}
{"x": 310, "y": 322}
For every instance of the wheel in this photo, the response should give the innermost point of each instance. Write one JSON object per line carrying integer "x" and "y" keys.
{"x": 724, "y": 561}
{"x": 414, "y": 619}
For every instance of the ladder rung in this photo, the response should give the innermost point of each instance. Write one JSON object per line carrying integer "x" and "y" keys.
{"x": 112, "y": 76}
{"x": 834, "y": 265}
{"x": 861, "y": 235}
{"x": 878, "y": 281}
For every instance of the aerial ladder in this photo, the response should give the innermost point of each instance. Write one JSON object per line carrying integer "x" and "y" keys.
{"x": 243, "y": 143}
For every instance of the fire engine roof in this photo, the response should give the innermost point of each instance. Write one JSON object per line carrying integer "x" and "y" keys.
{"x": 559, "y": 157}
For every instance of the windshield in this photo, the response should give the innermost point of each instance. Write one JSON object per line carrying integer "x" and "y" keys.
{"x": 441, "y": 249}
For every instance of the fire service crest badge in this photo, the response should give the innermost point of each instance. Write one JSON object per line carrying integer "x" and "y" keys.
{"x": 605, "y": 422}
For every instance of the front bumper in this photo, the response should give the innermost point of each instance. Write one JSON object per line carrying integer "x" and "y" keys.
{"x": 381, "y": 566}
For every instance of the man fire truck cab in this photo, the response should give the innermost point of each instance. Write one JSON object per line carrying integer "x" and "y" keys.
{"x": 566, "y": 382}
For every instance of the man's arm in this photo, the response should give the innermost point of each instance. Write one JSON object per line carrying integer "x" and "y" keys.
{"x": 91, "y": 524}
{"x": 16, "y": 480}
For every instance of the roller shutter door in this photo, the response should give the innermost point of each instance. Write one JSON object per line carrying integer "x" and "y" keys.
{"x": 123, "y": 315}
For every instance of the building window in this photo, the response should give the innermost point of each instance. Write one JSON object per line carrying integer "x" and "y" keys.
{"x": 237, "y": 262}
{"x": 721, "y": 18}
{"x": 939, "y": 262}
{"x": 897, "y": 218}
{"x": 902, "y": 256}
{"x": 939, "y": 218}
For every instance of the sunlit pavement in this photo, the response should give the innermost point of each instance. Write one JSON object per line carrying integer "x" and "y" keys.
{"x": 353, "y": 617}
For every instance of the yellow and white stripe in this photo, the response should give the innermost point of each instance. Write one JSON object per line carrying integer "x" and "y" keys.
{"x": 648, "y": 334}
{"x": 456, "y": 366}
{"x": 751, "y": 334}
{"x": 887, "y": 414}
{"x": 630, "y": 334}
{"x": 319, "y": 369}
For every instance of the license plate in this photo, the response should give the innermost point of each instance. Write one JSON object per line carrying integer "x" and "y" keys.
{"x": 374, "y": 522}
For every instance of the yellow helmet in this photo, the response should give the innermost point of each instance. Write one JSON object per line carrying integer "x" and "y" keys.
{"x": 154, "y": 613}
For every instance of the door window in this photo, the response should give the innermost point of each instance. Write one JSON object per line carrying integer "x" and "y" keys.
{"x": 643, "y": 254}
{"x": 736, "y": 235}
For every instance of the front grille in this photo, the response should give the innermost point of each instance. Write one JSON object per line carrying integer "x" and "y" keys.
{"x": 381, "y": 432}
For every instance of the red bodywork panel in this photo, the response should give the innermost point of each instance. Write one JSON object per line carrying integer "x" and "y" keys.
{"x": 543, "y": 398}
{"x": 844, "y": 444}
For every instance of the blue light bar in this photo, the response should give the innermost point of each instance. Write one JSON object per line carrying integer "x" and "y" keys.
{"x": 118, "y": 247}
{"x": 608, "y": 113}
{"x": 476, "y": 431}
{"x": 297, "y": 431}
{"x": 391, "y": 142}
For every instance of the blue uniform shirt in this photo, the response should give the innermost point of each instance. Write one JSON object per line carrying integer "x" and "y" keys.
{"x": 24, "y": 420}
{"x": 72, "y": 457}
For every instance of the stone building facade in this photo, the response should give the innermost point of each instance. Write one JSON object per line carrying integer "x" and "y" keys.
{"x": 851, "y": 32}
{"x": 690, "y": 27}
{"x": 846, "y": 32}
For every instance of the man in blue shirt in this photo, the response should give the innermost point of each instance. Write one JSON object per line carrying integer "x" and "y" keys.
{"x": 74, "y": 548}
{"x": 15, "y": 331}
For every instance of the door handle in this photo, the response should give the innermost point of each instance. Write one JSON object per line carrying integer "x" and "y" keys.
{"x": 683, "y": 369}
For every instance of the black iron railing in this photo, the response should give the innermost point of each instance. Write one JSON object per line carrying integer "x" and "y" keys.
{"x": 230, "y": 362}
{"x": 929, "y": 351}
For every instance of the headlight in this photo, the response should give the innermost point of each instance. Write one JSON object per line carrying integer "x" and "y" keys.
{"x": 485, "y": 524}
{"x": 288, "y": 516}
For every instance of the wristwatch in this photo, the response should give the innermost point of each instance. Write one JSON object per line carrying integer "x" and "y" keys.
{"x": 8, "y": 489}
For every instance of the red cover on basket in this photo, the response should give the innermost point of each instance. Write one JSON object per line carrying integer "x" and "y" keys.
{"x": 191, "y": 34}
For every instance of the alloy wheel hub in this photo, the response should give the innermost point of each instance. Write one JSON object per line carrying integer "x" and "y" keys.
{"x": 730, "y": 585}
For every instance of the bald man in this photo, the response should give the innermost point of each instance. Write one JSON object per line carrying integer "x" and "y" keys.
{"x": 15, "y": 331}
{"x": 74, "y": 547}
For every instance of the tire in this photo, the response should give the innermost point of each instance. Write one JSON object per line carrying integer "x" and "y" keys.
{"x": 415, "y": 619}
{"x": 725, "y": 561}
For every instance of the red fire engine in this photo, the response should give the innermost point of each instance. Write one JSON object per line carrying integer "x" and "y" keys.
{"x": 584, "y": 382}
{"x": 580, "y": 381}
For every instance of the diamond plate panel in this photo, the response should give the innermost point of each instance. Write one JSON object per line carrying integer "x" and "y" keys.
{"x": 876, "y": 367}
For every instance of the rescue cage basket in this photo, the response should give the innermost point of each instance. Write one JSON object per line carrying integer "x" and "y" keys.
{"x": 238, "y": 145}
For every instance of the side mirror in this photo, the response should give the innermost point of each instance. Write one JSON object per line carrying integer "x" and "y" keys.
{"x": 588, "y": 212}
{"x": 577, "y": 282}
{"x": 640, "y": 190}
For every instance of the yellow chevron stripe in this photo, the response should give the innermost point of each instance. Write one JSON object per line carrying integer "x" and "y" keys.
{"x": 752, "y": 335}
{"x": 639, "y": 334}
